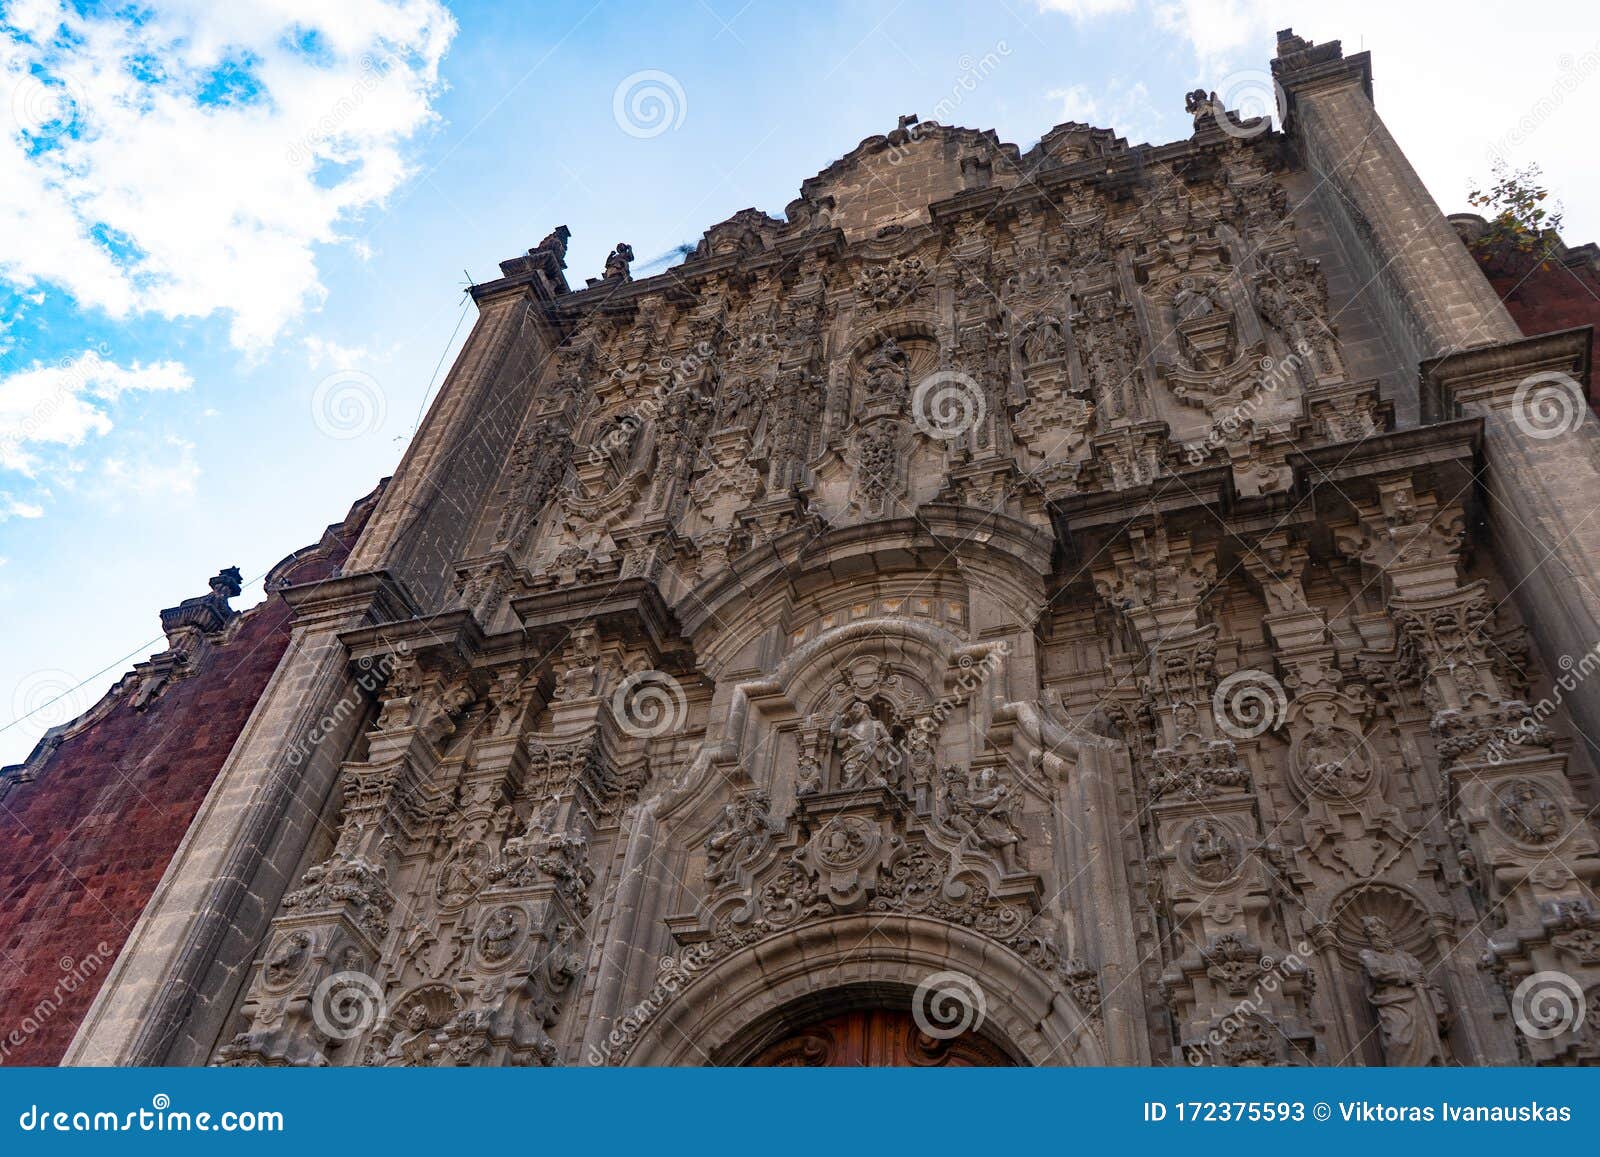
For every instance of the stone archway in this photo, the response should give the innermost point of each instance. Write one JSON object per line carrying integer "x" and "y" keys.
{"x": 879, "y": 1038}
{"x": 762, "y": 994}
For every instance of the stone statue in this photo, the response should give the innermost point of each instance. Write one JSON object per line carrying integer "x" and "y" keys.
{"x": 982, "y": 814}
{"x": 741, "y": 410}
{"x": 742, "y": 829}
{"x": 887, "y": 374}
{"x": 1411, "y": 1012}
{"x": 866, "y": 749}
{"x": 618, "y": 260}
{"x": 412, "y": 1044}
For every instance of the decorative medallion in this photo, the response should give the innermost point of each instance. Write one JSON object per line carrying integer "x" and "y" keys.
{"x": 287, "y": 960}
{"x": 1528, "y": 814}
{"x": 845, "y": 842}
{"x": 1211, "y": 851}
{"x": 500, "y": 934}
{"x": 1333, "y": 762}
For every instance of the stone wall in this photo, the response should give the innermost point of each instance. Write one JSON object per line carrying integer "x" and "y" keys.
{"x": 1040, "y": 573}
{"x": 90, "y": 821}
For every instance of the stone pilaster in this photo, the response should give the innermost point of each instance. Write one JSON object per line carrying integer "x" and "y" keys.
{"x": 1541, "y": 472}
{"x": 1430, "y": 289}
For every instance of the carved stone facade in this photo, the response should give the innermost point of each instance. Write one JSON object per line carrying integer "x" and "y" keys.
{"x": 1055, "y": 578}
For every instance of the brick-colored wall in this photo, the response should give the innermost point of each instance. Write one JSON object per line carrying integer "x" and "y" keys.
{"x": 86, "y": 832}
{"x": 1560, "y": 292}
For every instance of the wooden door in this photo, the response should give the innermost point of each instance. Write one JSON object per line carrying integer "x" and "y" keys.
{"x": 877, "y": 1038}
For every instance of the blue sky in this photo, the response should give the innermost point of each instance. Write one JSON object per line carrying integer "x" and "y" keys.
{"x": 233, "y": 239}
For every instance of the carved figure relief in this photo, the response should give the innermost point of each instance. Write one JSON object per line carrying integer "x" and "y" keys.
{"x": 1411, "y": 1011}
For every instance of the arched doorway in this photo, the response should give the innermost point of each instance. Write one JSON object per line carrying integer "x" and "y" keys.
{"x": 764, "y": 994}
{"x": 877, "y": 1038}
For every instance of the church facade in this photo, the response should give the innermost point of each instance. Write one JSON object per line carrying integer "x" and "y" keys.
{"x": 1077, "y": 606}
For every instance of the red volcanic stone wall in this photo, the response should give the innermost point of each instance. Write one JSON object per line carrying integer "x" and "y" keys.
{"x": 1560, "y": 292}
{"x": 1557, "y": 294}
{"x": 86, "y": 834}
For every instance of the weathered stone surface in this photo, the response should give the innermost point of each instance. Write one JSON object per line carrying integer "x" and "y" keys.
{"x": 1030, "y": 577}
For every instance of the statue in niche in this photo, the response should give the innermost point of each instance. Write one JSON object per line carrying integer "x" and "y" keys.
{"x": 741, "y": 410}
{"x": 1042, "y": 342}
{"x": 412, "y": 1044}
{"x": 618, "y": 442}
{"x": 981, "y": 812}
{"x": 865, "y": 746}
{"x": 920, "y": 744}
{"x": 888, "y": 373}
{"x": 1411, "y": 1011}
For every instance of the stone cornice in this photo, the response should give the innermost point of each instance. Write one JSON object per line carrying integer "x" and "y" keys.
{"x": 631, "y": 610}
{"x": 1490, "y": 375}
{"x": 375, "y": 593}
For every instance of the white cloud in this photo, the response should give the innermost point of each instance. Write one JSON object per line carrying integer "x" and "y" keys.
{"x": 13, "y": 507}
{"x": 1077, "y": 104}
{"x": 65, "y": 403}
{"x": 1082, "y": 9}
{"x": 189, "y": 161}
{"x": 324, "y": 351}
{"x": 1124, "y": 108}
{"x": 1449, "y": 115}
{"x": 167, "y": 472}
